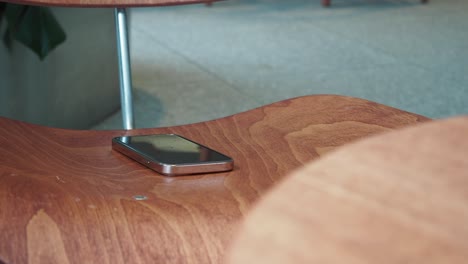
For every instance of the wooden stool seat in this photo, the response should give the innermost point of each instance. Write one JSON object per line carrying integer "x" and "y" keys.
{"x": 401, "y": 197}
{"x": 67, "y": 197}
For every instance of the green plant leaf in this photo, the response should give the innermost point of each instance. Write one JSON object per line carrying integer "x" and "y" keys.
{"x": 12, "y": 14}
{"x": 35, "y": 27}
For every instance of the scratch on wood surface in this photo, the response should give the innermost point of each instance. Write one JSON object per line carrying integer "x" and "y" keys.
{"x": 59, "y": 179}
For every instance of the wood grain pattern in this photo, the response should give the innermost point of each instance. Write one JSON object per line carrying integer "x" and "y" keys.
{"x": 71, "y": 186}
{"x": 400, "y": 197}
{"x": 107, "y": 3}
{"x": 43, "y": 229}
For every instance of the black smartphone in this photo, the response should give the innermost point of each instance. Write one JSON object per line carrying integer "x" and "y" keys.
{"x": 172, "y": 155}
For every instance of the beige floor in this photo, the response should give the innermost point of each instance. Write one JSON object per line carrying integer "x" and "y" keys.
{"x": 194, "y": 63}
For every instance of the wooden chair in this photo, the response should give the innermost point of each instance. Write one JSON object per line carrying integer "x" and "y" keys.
{"x": 400, "y": 197}
{"x": 67, "y": 197}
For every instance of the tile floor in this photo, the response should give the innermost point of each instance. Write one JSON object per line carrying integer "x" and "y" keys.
{"x": 195, "y": 63}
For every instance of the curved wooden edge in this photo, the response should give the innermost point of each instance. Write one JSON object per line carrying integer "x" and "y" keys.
{"x": 65, "y": 196}
{"x": 307, "y": 101}
{"x": 107, "y": 3}
{"x": 400, "y": 197}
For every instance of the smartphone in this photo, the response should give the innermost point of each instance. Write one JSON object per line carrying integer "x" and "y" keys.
{"x": 172, "y": 155}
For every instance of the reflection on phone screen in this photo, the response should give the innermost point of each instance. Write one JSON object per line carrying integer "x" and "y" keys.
{"x": 172, "y": 149}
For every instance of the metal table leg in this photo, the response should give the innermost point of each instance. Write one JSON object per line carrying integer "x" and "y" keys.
{"x": 124, "y": 68}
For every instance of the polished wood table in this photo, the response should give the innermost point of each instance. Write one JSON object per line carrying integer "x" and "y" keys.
{"x": 66, "y": 197}
{"x": 400, "y": 197}
{"x": 108, "y": 3}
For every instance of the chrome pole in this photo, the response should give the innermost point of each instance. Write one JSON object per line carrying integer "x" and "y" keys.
{"x": 125, "y": 73}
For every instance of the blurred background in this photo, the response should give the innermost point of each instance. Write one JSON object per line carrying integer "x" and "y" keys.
{"x": 195, "y": 63}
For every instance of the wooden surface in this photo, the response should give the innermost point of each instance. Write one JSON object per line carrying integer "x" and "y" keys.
{"x": 400, "y": 197}
{"x": 66, "y": 197}
{"x": 108, "y": 3}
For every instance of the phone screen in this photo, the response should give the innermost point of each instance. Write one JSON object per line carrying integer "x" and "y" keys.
{"x": 171, "y": 149}
{"x": 172, "y": 155}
